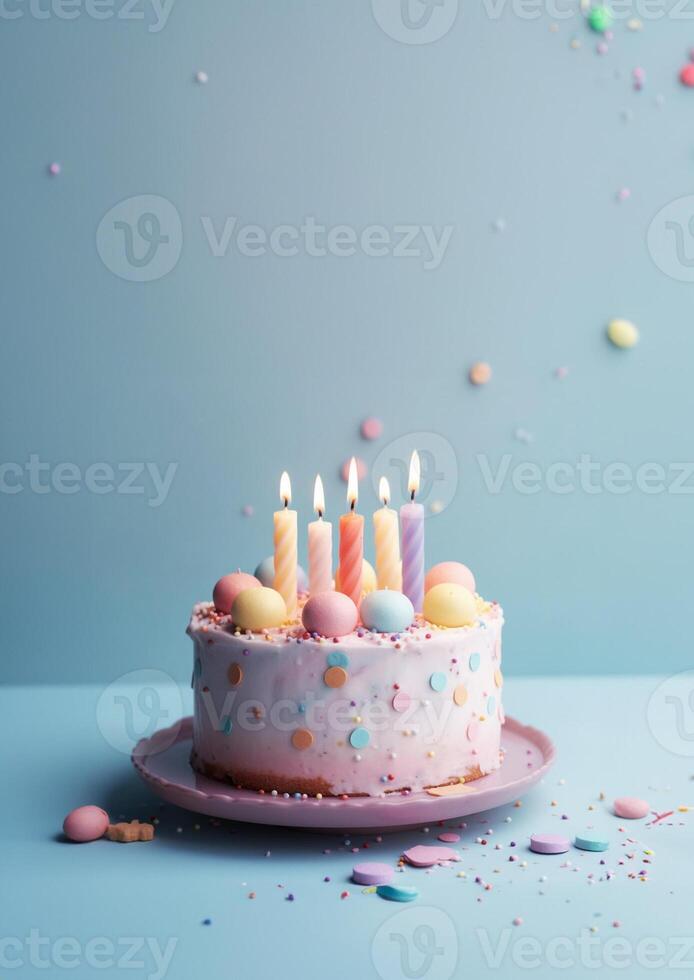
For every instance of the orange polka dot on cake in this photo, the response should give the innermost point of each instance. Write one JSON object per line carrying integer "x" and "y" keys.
{"x": 302, "y": 738}
{"x": 335, "y": 677}
{"x": 235, "y": 675}
{"x": 460, "y": 695}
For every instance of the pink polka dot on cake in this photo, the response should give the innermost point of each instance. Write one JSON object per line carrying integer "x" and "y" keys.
{"x": 473, "y": 730}
{"x": 361, "y": 469}
{"x": 229, "y": 586}
{"x": 371, "y": 428}
{"x": 401, "y": 701}
{"x": 330, "y": 614}
{"x": 450, "y": 573}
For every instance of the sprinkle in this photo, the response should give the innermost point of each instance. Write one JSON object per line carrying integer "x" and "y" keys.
{"x": 54, "y": 169}
{"x": 202, "y": 78}
{"x": 518, "y": 921}
{"x": 480, "y": 373}
{"x": 371, "y": 428}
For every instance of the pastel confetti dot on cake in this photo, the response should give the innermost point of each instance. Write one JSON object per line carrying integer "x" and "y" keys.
{"x": 460, "y": 695}
{"x": 302, "y": 738}
{"x": 335, "y": 677}
{"x": 401, "y": 701}
{"x": 437, "y": 681}
{"x": 359, "y": 738}
{"x": 235, "y": 674}
{"x": 336, "y": 658}
{"x": 474, "y": 661}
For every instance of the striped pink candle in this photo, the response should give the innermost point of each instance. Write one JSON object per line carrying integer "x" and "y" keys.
{"x": 352, "y": 542}
{"x": 412, "y": 540}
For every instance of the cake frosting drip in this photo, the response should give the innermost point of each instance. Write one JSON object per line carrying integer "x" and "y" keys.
{"x": 368, "y": 714}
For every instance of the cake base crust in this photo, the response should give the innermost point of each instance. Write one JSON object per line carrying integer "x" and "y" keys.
{"x": 246, "y": 779}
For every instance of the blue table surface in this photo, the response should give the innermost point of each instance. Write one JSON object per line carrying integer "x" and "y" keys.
{"x": 139, "y": 910}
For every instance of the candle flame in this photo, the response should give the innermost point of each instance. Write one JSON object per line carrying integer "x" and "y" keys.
{"x": 384, "y": 491}
{"x": 352, "y": 484}
{"x": 318, "y": 497}
{"x": 415, "y": 472}
{"x": 285, "y": 489}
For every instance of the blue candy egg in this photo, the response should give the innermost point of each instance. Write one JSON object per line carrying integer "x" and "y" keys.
{"x": 265, "y": 573}
{"x": 386, "y": 611}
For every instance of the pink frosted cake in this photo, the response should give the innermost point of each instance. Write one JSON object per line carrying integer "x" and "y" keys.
{"x": 373, "y": 710}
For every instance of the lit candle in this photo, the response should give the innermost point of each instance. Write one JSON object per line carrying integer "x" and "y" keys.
{"x": 320, "y": 546}
{"x": 412, "y": 524}
{"x": 386, "y": 541}
{"x": 351, "y": 541}
{"x": 285, "y": 548}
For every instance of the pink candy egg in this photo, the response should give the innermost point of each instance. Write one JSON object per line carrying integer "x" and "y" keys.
{"x": 631, "y": 808}
{"x": 330, "y": 614}
{"x": 450, "y": 573}
{"x": 85, "y": 823}
{"x": 229, "y": 586}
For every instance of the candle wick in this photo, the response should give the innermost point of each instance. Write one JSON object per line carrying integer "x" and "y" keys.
{"x": 286, "y": 503}
{"x": 320, "y": 515}
{"x": 412, "y": 496}
{"x": 352, "y": 505}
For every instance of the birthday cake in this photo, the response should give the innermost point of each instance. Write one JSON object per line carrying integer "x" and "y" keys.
{"x": 339, "y": 693}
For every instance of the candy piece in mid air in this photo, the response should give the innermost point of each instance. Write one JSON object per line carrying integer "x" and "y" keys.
{"x": 623, "y": 333}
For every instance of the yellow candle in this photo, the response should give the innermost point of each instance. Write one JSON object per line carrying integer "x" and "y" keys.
{"x": 387, "y": 542}
{"x": 286, "y": 549}
{"x": 320, "y": 546}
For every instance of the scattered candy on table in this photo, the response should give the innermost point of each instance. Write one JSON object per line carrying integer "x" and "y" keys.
{"x": 372, "y": 873}
{"x": 85, "y": 823}
{"x": 549, "y": 844}
{"x": 426, "y": 856}
{"x": 631, "y": 808}
{"x": 589, "y": 842}
{"x": 397, "y": 893}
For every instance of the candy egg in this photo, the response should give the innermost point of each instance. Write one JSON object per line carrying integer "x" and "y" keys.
{"x": 449, "y": 604}
{"x": 386, "y": 611}
{"x": 368, "y": 578}
{"x": 623, "y": 333}
{"x": 258, "y": 609}
{"x": 265, "y": 573}
{"x": 229, "y": 586}
{"x": 330, "y": 614}
{"x": 452, "y": 572}
{"x": 85, "y": 823}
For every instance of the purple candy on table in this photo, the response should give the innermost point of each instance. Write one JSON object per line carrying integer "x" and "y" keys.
{"x": 549, "y": 844}
{"x": 372, "y": 873}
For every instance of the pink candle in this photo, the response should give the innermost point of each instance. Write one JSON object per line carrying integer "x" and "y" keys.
{"x": 351, "y": 542}
{"x": 320, "y": 546}
{"x": 412, "y": 530}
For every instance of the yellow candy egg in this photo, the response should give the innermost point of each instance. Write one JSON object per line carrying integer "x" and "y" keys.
{"x": 448, "y": 604}
{"x": 368, "y": 578}
{"x": 258, "y": 609}
{"x": 623, "y": 333}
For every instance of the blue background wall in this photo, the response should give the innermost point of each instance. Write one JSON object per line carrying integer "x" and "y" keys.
{"x": 235, "y": 367}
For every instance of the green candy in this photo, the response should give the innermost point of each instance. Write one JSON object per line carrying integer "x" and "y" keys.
{"x": 600, "y": 19}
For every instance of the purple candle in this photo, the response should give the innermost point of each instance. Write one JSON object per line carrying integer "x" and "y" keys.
{"x": 412, "y": 530}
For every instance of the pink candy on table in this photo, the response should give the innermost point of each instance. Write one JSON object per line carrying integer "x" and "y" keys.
{"x": 426, "y": 855}
{"x": 372, "y": 873}
{"x": 85, "y": 823}
{"x": 631, "y": 808}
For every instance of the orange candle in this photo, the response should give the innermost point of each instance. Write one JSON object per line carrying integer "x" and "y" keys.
{"x": 352, "y": 541}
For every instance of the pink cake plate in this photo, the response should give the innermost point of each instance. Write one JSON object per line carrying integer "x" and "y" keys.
{"x": 162, "y": 761}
